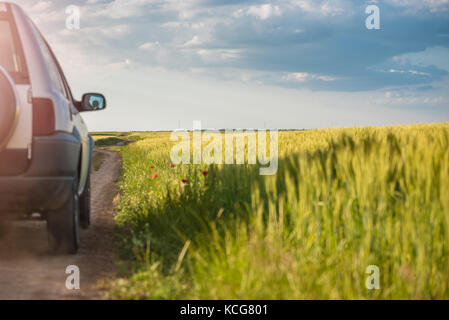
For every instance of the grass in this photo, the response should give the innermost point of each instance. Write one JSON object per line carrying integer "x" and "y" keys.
{"x": 343, "y": 199}
{"x": 97, "y": 161}
{"x": 112, "y": 139}
{"x": 108, "y": 141}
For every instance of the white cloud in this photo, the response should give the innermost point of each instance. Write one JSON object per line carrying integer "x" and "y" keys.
{"x": 418, "y": 73}
{"x": 261, "y": 12}
{"x": 409, "y": 98}
{"x": 98, "y": 34}
{"x": 118, "y": 9}
{"x": 119, "y": 65}
{"x": 296, "y": 76}
{"x": 149, "y": 46}
{"x": 304, "y": 76}
{"x": 323, "y": 8}
{"x": 40, "y": 7}
{"x": 408, "y": 71}
{"x": 264, "y": 11}
{"x": 175, "y": 24}
{"x": 219, "y": 54}
{"x": 195, "y": 41}
{"x": 415, "y": 6}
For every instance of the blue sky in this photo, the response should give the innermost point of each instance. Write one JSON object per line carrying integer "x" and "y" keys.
{"x": 280, "y": 64}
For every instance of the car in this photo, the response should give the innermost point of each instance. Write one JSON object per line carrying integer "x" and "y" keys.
{"x": 45, "y": 146}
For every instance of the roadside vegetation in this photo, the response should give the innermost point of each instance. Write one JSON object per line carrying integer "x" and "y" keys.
{"x": 97, "y": 161}
{"x": 343, "y": 199}
{"x": 111, "y": 139}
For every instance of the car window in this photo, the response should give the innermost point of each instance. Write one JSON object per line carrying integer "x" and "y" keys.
{"x": 60, "y": 74}
{"x": 56, "y": 73}
{"x": 51, "y": 66}
{"x": 11, "y": 54}
{"x": 8, "y": 55}
{"x": 66, "y": 85}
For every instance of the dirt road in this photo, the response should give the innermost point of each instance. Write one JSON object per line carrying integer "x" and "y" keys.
{"x": 29, "y": 271}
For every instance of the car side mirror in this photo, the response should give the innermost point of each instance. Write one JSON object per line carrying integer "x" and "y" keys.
{"x": 93, "y": 102}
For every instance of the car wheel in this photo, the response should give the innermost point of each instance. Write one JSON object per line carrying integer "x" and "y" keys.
{"x": 85, "y": 205}
{"x": 63, "y": 225}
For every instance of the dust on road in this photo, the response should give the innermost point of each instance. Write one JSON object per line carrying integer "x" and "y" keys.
{"x": 29, "y": 271}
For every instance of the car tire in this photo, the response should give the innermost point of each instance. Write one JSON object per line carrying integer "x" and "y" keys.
{"x": 85, "y": 205}
{"x": 63, "y": 225}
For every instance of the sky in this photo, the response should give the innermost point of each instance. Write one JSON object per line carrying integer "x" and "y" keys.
{"x": 253, "y": 64}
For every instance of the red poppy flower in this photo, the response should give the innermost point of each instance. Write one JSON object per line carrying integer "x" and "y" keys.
{"x": 151, "y": 167}
{"x": 205, "y": 173}
{"x": 154, "y": 176}
{"x": 172, "y": 165}
{"x": 184, "y": 180}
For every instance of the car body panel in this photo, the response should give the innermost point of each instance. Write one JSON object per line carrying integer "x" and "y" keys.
{"x": 15, "y": 90}
{"x": 22, "y": 133}
{"x": 40, "y": 63}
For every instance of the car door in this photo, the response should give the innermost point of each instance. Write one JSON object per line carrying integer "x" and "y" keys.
{"x": 80, "y": 128}
{"x": 86, "y": 147}
{"x": 66, "y": 102}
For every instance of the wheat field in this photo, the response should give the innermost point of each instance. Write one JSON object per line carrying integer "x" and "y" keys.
{"x": 342, "y": 200}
